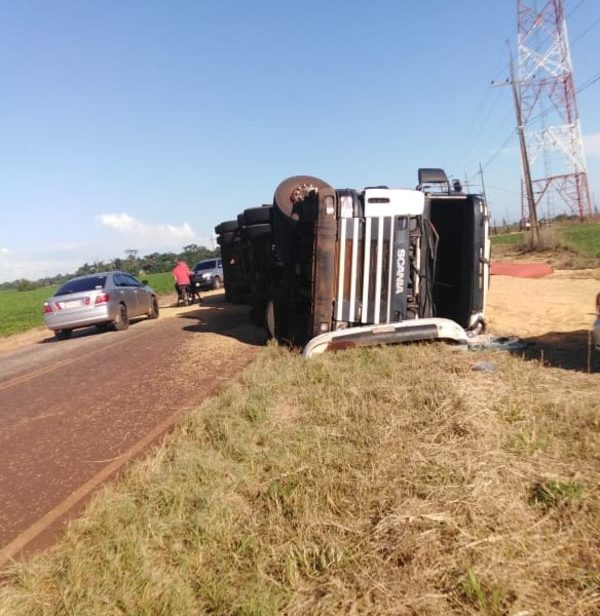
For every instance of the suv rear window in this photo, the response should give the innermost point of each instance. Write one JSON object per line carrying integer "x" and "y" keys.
{"x": 82, "y": 284}
{"x": 205, "y": 265}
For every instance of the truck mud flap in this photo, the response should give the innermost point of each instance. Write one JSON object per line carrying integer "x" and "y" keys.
{"x": 390, "y": 333}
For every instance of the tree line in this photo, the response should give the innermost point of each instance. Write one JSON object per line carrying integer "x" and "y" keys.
{"x": 154, "y": 263}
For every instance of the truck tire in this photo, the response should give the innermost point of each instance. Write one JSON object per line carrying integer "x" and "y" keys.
{"x": 227, "y": 227}
{"x": 257, "y": 215}
{"x": 225, "y": 239}
{"x": 253, "y": 232}
{"x": 289, "y": 193}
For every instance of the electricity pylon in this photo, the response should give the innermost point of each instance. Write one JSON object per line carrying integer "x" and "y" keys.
{"x": 548, "y": 109}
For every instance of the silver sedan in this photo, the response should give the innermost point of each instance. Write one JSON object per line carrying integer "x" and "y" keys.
{"x": 104, "y": 299}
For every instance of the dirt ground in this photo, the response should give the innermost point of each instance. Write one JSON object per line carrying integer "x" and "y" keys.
{"x": 561, "y": 302}
{"x": 553, "y": 315}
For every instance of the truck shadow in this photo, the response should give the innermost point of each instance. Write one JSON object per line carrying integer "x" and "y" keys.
{"x": 567, "y": 350}
{"x": 217, "y": 317}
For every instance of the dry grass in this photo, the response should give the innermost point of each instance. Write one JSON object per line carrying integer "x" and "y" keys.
{"x": 379, "y": 481}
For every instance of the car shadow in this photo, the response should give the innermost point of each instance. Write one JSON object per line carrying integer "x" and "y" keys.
{"x": 567, "y": 350}
{"x": 92, "y": 330}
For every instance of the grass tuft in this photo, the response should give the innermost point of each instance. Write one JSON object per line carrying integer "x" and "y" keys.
{"x": 490, "y": 600}
{"x": 550, "y": 493}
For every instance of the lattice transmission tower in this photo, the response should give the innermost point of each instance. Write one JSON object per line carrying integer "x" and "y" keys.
{"x": 548, "y": 110}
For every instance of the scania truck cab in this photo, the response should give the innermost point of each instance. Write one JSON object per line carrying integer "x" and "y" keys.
{"x": 341, "y": 268}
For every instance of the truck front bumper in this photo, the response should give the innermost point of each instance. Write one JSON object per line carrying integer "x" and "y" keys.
{"x": 389, "y": 333}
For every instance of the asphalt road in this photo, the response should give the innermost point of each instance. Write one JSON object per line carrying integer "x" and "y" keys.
{"x": 74, "y": 412}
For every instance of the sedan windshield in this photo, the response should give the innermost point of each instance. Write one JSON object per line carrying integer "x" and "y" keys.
{"x": 80, "y": 285}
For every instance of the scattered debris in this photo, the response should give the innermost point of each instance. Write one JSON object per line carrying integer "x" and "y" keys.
{"x": 486, "y": 342}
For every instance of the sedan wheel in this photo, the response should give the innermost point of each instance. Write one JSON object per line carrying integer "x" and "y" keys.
{"x": 63, "y": 334}
{"x": 153, "y": 314}
{"x": 217, "y": 283}
{"x": 122, "y": 321}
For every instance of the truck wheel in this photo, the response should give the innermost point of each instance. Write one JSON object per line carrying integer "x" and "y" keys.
{"x": 293, "y": 191}
{"x": 225, "y": 239}
{"x": 253, "y": 232}
{"x": 226, "y": 227}
{"x": 257, "y": 215}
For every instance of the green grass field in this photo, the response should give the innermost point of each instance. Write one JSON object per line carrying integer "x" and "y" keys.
{"x": 566, "y": 244}
{"x": 161, "y": 283}
{"x": 22, "y": 310}
{"x": 379, "y": 481}
{"x": 510, "y": 239}
{"x": 583, "y": 238}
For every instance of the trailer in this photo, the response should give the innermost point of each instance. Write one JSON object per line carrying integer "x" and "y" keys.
{"x": 329, "y": 268}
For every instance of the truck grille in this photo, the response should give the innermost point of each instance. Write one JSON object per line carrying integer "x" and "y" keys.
{"x": 373, "y": 282}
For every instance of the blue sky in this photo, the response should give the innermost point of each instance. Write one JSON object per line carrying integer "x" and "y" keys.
{"x": 142, "y": 124}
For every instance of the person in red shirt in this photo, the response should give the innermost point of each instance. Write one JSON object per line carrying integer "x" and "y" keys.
{"x": 181, "y": 274}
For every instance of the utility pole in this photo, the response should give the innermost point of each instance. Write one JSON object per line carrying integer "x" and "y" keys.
{"x": 482, "y": 182}
{"x": 533, "y": 228}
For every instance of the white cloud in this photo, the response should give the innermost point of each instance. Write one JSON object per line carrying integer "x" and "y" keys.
{"x": 33, "y": 267}
{"x": 156, "y": 234}
{"x": 591, "y": 144}
{"x": 64, "y": 257}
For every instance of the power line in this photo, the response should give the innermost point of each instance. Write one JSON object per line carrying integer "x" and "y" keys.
{"x": 585, "y": 85}
{"x": 476, "y": 126}
{"x": 590, "y": 27}
{"x": 490, "y": 141}
{"x": 588, "y": 83}
{"x": 574, "y": 10}
{"x": 497, "y": 152}
{"x": 508, "y": 190}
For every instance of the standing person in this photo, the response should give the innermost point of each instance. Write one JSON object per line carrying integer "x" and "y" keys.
{"x": 181, "y": 274}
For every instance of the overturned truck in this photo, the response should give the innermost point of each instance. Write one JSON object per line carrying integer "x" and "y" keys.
{"x": 326, "y": 268}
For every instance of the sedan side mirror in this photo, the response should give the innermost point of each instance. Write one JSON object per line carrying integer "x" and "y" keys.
{"x": 145, "y": 283}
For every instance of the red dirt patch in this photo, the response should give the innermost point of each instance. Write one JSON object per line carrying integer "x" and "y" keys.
{"x": 520, "y": 270}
